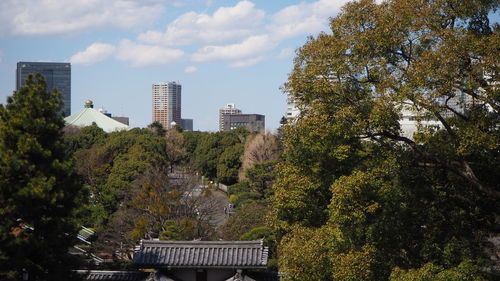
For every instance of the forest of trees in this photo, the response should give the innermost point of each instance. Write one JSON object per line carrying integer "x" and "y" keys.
{"x": 339, "y": 193}
{"x": 142, "y": 183}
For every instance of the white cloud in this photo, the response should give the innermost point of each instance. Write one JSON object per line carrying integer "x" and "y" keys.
{"x": 247, "y": 62}
{"x": 147, "y": 55}
{"x": 94, "y": 53}
{"x": 285, "y": 53}
{"x": 190, "y": 69}
{"x": 45, "y": 17}
{"x": 252, "y": 46}
{"x": 242, "y": 33}
{"x": 226, "y": 24}
{"x": 303, "y": 18}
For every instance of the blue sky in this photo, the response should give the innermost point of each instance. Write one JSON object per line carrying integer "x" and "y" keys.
{"x": 220, "y": 51}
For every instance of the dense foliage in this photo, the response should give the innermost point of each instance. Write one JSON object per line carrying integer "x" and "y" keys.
{"x": 355, "y": 199}
{"x": 39, "y": 191}
{"x": 143, "y": 183}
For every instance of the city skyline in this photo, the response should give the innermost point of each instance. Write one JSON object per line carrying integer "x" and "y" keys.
{"x": 237, "y": 51}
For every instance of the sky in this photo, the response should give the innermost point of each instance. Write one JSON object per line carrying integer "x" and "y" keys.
{"x": 220, "y": 51}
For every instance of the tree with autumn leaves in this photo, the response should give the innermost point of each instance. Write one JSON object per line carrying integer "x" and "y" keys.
{"x": 355, "y": 199}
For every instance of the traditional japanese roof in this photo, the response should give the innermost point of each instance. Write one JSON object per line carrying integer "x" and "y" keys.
{"x": 201, "y": 254}
{"x": 98, "y": 275}
{"x": 89, "y": 115}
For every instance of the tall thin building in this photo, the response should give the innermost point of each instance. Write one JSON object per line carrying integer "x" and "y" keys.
{"x": 167, "y": 104}
{"x": 230, "y": 109}
{"x": 57, "y": 76}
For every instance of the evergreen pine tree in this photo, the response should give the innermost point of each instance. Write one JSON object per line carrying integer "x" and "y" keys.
{"x": 39, "y": 191}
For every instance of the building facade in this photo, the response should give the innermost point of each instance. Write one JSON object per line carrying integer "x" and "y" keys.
{"x": 187, "y": 125}
{"x": 253, "y": 122}
{"x": 229, "y": 109}
{"x": 57, "y": 76}
{"x": 292, "y": 112}
{"x": 167, "y": 103}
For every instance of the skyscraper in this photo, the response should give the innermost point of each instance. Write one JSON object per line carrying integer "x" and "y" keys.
{"x": 57, "y": 76}
{"x": 167, "y": 103}
{"x": 230, "y": 109}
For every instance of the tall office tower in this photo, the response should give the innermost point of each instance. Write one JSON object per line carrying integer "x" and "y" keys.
{"x": 167, "y": 104}
{"x": 230, "y": 109}
{"x": 57, "y": 76}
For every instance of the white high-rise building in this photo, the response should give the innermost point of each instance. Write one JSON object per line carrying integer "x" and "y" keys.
{"x": 292, "y": 112}
{"x": 167, "y": 103}
{"x": 230, "y": 109}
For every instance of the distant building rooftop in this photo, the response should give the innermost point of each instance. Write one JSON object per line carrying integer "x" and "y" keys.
{"x": 89, "y": 115}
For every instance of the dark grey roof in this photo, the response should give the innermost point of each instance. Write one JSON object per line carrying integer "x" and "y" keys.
{"x": 201, "y": 254}
{"x": 98, "y": 275}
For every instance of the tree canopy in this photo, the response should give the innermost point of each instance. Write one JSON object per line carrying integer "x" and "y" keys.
{"x": 39, "y": 191}
{"x": 356, "y": 198}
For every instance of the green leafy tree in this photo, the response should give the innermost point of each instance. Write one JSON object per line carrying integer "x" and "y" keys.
{"x": 437, "y": 60}
{"x": 83, "y": 138}
{"x": 157, "y": 128}
{"x": 109, "y": 168}
{"x": 229, "y": 164}
{"x": 206, "y": 155}
{"x": 211, "y": 146}
{"x": 261, "y": 177}
{"x": 464, "y": 271}
{"x": 191, "y": 140}
{"x": 355, "y": 197}
{"x": 39, "y": 191}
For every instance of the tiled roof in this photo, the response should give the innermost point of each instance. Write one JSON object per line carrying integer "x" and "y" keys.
{"x": 201, "y": 254}
{"x": 97, "y": 275}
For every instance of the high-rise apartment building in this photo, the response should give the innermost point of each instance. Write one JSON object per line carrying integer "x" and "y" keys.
{"x": 292, "y": 112}
{"x": 57, "y": 76}
{"x": 167, "y": 104}
{"x": 230, "y": 109}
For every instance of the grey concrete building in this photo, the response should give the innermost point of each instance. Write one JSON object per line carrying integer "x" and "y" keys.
{"x": 229, "y": 109}
{"x": 253, "y": 122}
{"x": 187, "y": 124}
{"x": 57, "y": 76}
